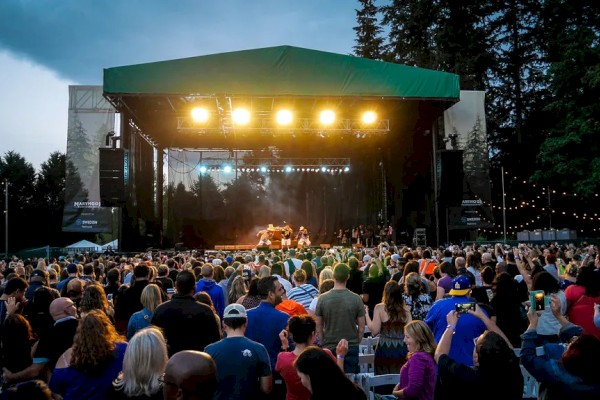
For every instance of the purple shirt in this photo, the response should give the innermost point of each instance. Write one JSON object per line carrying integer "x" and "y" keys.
{"x": 418, "y": 376}
{"x": 446, "y": 283}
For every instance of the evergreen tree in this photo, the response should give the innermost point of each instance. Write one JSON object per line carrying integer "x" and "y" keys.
{"x": 369, "y": 43}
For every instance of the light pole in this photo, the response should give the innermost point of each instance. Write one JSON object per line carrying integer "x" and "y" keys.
{"x": 503, "y": 205}
{"x": 6, "y": 218}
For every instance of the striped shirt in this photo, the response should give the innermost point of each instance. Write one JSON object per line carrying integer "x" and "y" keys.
{"x": 303, "y": 294}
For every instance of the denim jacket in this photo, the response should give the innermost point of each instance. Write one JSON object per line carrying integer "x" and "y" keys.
{"x": 138, "y": 321}
{"x": 556, "y": 382}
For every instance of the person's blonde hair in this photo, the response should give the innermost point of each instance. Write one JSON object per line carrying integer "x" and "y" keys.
{"x": 300, "y": 276}
{"x": 144, "y": 362}
{"x": 326, "y": 273}
{"x": 237, "y": 290}
{"x": 151, "y": 297}
{"x": 422, "y": 335}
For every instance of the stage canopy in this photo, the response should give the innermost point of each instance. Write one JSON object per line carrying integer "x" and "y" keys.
{"x": 282, "y": 71}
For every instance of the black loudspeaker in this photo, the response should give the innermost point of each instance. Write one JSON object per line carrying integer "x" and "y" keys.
{"x": 452, "y": 178}
{"x": 113, "y": 176}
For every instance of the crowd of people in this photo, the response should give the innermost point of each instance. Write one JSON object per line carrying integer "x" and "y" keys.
{"x": 289, "y": 324}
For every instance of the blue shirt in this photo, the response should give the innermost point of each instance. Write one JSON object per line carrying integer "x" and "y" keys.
{"x": 72, "y": 384}
{"x": 467, "y": 328}
{"x": 138, "y": 321}
{"x": 264, "y": 325}
{"x": 241, "y": 363}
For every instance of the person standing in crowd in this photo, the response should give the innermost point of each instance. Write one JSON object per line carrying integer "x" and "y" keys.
{"x": 570, "y": 373}
{"x": 415, "y": 297}
{"x": 129, "y": 301}
{"x": 143, "y": 365}
{"x": 468, "y": 327}
{"x": 190, "y": 375}
{"x": 355, "y": 281}
{"x": 13, "y": 298}
{"x": 582, "y": 298}
{"x": 207, "y": 284}
{"x": 389, "y": 319}
{"x": 243, "y": 366}
{"x": 372, "y": 290}
{"x": 62, "y": 285}
{"x": 321, "y": 376}
{"x": 186, "y": 323}
{"x": 87, "y": 369}
{"x": 151, "y": 299}
{"x": 340, "y": 314}
{"x": 302, "y": 329}
{"x": 277, "y": 270}
{"x": 303, "y": 292}
{"x": 16, "y": 341}
{"x": 493, "y": 358}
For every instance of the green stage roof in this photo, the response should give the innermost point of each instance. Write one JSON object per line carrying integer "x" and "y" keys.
{"x": 281, "y": 71}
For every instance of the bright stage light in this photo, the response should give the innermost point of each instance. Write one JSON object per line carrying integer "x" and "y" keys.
{"x": 227, "y": 169}
{"x": 284, "y": 117}
{"x": 369, "y": 117}
{"x": 288, "y": 169}
{"x": 203, "y": 169}
{"x": 347, "y": 169}
{"x": 327, "y": 117}
{"x": 200, "y": 114}
{"x": 263, "y": 169}
{"x": 323, "y": 169}
{"x": 240, "y": 116}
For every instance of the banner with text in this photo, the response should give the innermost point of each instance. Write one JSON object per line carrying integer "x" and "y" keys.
{"x": 91, "y": 117}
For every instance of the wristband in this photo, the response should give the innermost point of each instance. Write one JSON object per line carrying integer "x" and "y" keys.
{"x": 341, "y": 357}
{"x": 450, "y": 326}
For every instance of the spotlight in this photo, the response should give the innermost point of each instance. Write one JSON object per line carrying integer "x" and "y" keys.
{"x": 288, "y": 169}
{"x": 369, "y": 117}
{"x": 327, "y": 117}
{"x": 200, "y": 114}
{"x": 263, "y": 169}
{"x": 323, "y": 169}
{"x": 227, "y": 169}
{"x": 284, "y": 117}
{"x": 240, "y": 116}
{"x": 347, "y": 169}
{"x": 203, "y": 169}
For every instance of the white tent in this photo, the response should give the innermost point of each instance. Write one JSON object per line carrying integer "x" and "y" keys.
{"x": 114, "y": 245}
{"x": 85, "y": 245}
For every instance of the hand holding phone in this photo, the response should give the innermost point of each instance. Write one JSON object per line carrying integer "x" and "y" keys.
{"x": 538, "y": 300}
{"x": 463, "y": 308}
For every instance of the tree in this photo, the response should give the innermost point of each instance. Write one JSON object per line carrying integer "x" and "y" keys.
{"x": 369, "y": 43}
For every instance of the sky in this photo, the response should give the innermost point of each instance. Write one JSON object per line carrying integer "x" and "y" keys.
{"x": 47, "y": 45}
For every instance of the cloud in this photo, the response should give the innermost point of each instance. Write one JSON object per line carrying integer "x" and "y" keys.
{"x": 79, "y": 38}
{"x": 34, "y": 104}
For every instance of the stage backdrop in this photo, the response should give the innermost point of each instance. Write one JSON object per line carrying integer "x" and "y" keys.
{"x": 466, "y": 122}
{"x": 91, "y": 117}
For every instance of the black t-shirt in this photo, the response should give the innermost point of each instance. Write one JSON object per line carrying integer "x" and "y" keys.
{"x": 57, "y": 342}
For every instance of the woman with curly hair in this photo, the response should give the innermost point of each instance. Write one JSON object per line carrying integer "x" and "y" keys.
{"x": 87, "y": 369}
{"x": 144, "y": 363}
{"x": 389, "y": 318}
{"x": 238, "y": 290}
{"x": 94, "y": 298}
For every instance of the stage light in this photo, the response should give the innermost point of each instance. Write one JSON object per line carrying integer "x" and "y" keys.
{"x": 323, "y": 169}
{"x": 369, "y": 117}
{"x": 227, "y": 169}
{"x": 202, "y": 169}
{"x": 200, "y": 114}
{"x": 240, "y": 116}
{"x": 288, "y": 169}
{"x": 327, "y": 117}
{"x": 284, "y": 117}
{"x": 263, "y": 169}
{"x": 347, "y": 169}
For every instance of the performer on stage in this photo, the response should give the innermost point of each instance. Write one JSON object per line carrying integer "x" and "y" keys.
{"x": 265, "y": 238}
{"x": 303, "y": 239}
{"x": 286, "y": 237}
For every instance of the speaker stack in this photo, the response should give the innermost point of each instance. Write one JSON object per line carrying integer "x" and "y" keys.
{"x": 113, "y": 176}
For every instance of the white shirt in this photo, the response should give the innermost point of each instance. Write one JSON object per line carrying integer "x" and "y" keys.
{"x": 284, "y": 282}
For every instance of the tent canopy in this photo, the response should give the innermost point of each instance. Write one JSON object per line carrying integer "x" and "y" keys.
{"x": 84, "y": 244}
{"x": 282, "y": 71}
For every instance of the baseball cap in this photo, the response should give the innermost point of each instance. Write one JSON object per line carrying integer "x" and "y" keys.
{"x": 395, "y": 257}
{"x": 234, "y": 311}
{"x": 40, "y": 273}
{"x": 460, "y": 285}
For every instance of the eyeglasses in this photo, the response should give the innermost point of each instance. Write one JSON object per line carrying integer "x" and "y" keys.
{"x": 162, "y": 380}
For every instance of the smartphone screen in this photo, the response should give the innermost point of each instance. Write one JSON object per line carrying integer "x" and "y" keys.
{"x": 538, "y": 300}
{"x": 109, "y": 297}
{"x": 463, "y": 308}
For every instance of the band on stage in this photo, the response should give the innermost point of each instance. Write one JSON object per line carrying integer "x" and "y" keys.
{"x": 284, "y": 234}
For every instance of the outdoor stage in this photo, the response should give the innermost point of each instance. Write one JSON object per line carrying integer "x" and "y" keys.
{"x": 283, "y": 134}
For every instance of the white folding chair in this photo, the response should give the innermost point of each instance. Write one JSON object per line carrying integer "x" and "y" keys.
{"x": 366, "y": 363}
{"x": 380, "y": 380}
{"x": 531, "y": 387}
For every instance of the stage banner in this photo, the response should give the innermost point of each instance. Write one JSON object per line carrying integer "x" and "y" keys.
{"x": 465, "y": 129}
{"x": 91, "y": 117}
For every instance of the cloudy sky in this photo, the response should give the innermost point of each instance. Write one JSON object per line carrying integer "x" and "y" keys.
{"x": 47, "y": 45}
